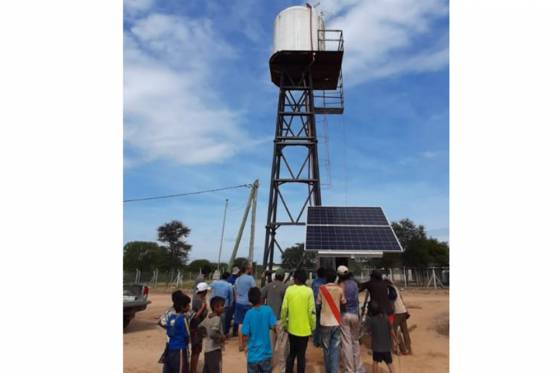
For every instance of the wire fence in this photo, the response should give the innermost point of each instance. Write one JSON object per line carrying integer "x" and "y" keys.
{"x": 431, "y": 277}
{"x": 159, "y": 279}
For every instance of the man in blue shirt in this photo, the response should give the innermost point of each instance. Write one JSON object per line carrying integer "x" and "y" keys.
{"x": 315, "y": 285}
{"x": 242, "y": 305}
{"x": 256, "y": 325}
{"x": 222, "y": 288}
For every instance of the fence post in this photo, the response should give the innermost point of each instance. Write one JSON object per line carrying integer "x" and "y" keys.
{"x": 179, "y": 279}
{"x": 170, "y": 278}
{"x": 137, "y": 279}
{"x": 155, "y": 278}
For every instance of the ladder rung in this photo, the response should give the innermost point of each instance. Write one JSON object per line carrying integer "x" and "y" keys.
{"x": 295, "y": 180}
{"x": 295, "y": 113}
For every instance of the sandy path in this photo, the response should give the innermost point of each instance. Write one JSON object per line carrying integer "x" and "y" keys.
{"x": 144, "y": 340}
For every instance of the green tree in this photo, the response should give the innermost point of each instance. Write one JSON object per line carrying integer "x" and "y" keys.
{"x": 419, "y": 249}
{"x": 197, "y": 265}
{"x": 240, "y": 262}
{"x": 174, "y": 235}
{"x": 407, "y": 232}
{"x": 439, "y": 253}
{"x": 426, "y": 253}
{"x": 223, "y": 267}
{"x": 143, "y": 255}
{"x": 297, "y": 257}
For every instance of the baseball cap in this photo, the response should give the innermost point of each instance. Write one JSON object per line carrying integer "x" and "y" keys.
{"x": 342, "y": 270}
{"x": 235, "y": 270}
{"x": 279, "y": 272}
{"x": 202, "y": 286}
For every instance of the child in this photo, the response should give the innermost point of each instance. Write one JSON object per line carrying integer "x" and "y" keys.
{"x": 198, "y": 315}
{"x": 214, "y": 338}
{"x": 163, "y": 320}
{"x": 381, "y": 333}
{"x": 256, "y": 325}
{"x": 176, "y": 359}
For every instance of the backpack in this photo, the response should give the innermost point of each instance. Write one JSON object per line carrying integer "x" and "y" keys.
{"x": 391, "y": 293}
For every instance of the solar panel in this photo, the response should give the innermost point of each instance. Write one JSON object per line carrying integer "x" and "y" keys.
{"x": 346, "y": 215}
{"x": 349, "y": 229}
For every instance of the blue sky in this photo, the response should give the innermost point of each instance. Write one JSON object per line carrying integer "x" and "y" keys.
{"x": 199, "y": 113}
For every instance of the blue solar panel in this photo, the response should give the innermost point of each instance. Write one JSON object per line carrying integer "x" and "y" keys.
{"x": 346, "y": 215}
{"x": 349, "y": 229}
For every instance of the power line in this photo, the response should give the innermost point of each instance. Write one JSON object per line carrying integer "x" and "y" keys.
{"x": 186, "y": 194}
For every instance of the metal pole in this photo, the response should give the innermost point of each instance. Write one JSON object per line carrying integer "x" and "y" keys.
{"x": 253, "y": 220}
{"x": 405, "y": 277}
{"x": 222, "y": 237}
{"x": 241, "y": 227}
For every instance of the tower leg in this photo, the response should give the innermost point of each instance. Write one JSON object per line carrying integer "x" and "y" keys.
{"x": 295, "y": 131}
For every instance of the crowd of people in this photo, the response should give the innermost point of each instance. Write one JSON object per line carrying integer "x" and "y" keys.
{"x": 274, "y": 323}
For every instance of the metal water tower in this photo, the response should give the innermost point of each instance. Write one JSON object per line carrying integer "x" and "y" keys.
{"x": 306, "y": 66}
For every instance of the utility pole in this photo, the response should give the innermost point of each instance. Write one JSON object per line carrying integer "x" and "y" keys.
{"x": 222, "y": 237}
{"x": 251, "y": 202}
{"x": 253, "y": 219}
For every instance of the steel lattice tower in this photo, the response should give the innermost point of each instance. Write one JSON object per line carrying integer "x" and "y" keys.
{"x": 310, "y": 83}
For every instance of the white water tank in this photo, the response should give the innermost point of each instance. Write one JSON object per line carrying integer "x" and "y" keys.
{"x": 297, "y": 29}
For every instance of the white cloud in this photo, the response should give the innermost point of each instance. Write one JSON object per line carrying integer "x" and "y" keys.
{"x": 133, "y": 7}
{"x": 379, "y": 33}
{"x": 245, "y": 18}
{"x": 429, "y": 154}
{"x": 171, "y": 111}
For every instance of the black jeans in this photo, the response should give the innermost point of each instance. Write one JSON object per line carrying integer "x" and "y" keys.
{"x": 212, "y": 362}
{"x": 177, "y": 361}
{"x": 298, "y": 346}
{"x": 229, "y": 318}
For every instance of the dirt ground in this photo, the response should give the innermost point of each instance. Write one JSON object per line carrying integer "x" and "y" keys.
{"x": 144, "y": 340}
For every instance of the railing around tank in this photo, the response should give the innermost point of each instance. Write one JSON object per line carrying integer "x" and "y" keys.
{"x": 330, "y": 40}
{"x": 330, "y": 102}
